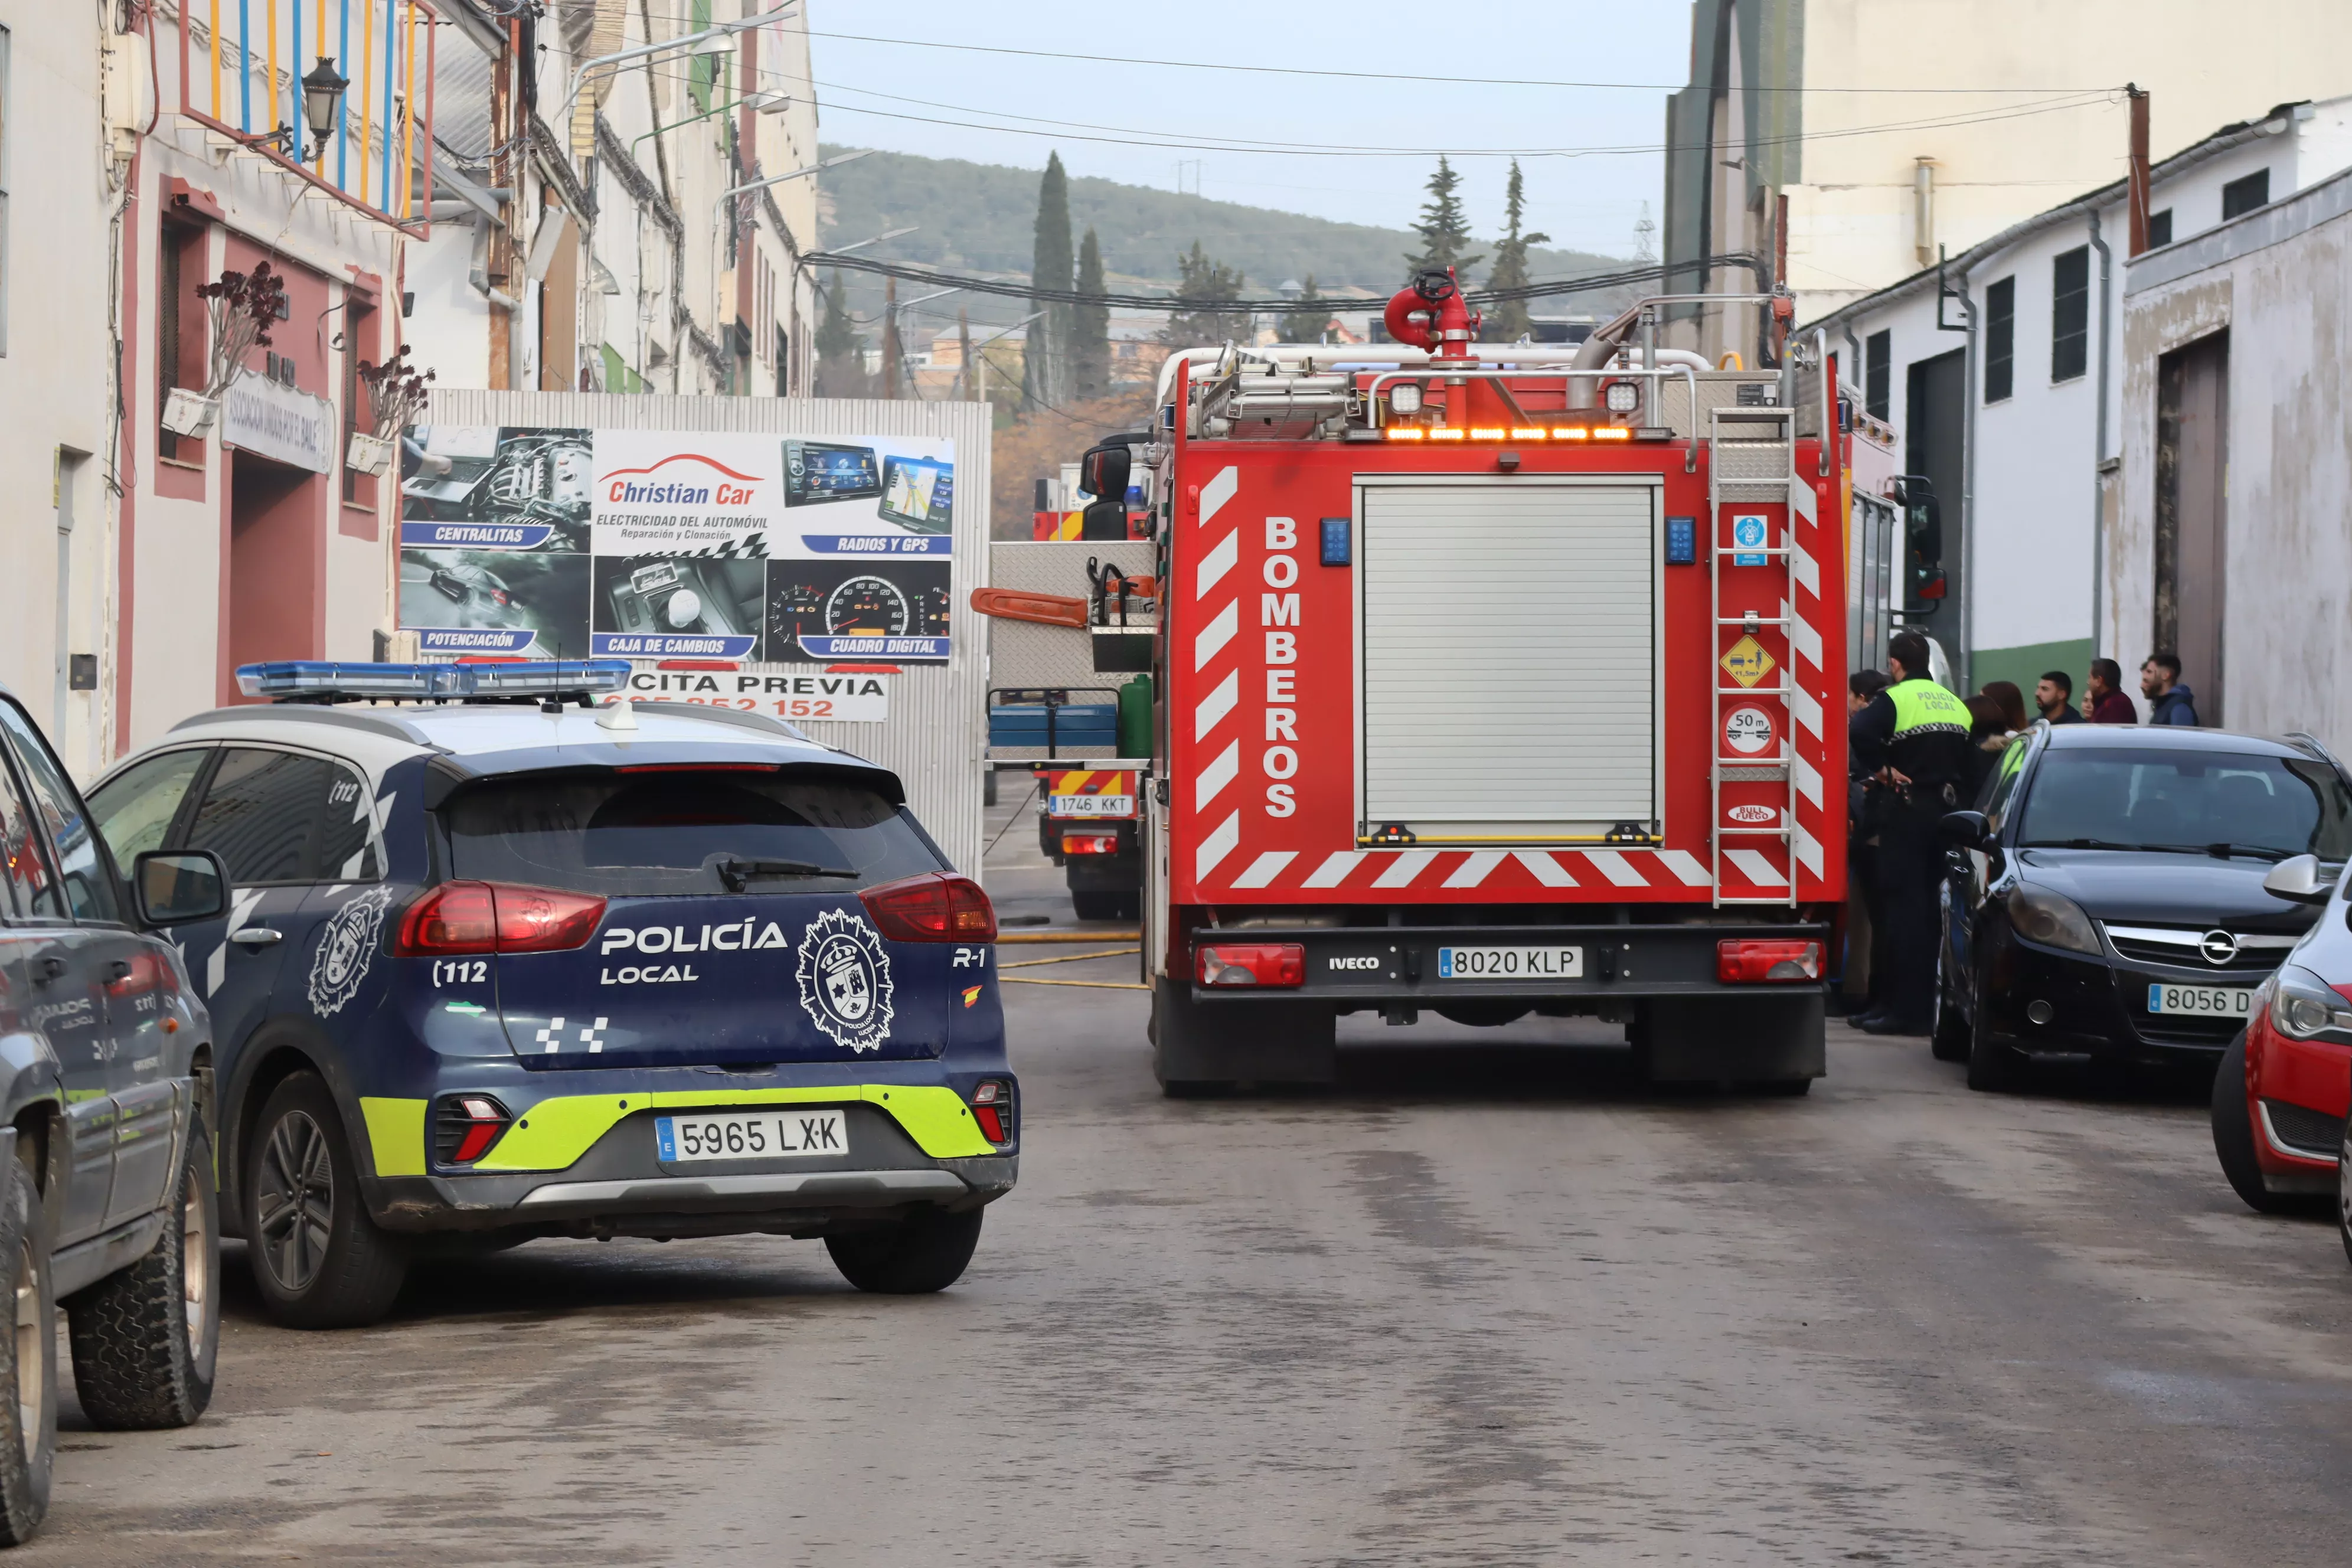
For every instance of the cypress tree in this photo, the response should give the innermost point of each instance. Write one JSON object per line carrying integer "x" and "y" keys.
{"x": 1445, "y": 231}
{"x": 1090, "y": 327}
{"x": 1043, "y": 377}
{"x": 1307, "y": 317}
{"x": 1507, "y": 321}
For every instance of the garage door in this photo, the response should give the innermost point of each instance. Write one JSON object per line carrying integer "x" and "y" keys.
{"x": 1507, "y": 677}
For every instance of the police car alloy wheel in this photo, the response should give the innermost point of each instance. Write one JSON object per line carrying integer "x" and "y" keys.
{"x": 318, "y": 1259}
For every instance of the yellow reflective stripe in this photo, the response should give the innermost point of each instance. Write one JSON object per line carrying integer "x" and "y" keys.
{"x": 554, "y": 1134}
{"x": 395, "y": 1135}
{"x": 1919, "y": 705}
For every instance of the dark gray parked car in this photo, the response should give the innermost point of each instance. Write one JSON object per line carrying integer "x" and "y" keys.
{"x": 107, "y": 1200}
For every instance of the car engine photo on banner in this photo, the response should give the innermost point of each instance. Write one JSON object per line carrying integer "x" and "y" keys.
{"x": 659, "y": 544}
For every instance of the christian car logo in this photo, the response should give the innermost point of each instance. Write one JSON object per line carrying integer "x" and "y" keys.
{"x": 2219, "y": 947}
{"x": 845, "y": 980}
{"x": 346, "y": 949}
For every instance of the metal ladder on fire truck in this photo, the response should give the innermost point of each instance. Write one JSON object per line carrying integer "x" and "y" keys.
{"x": 1752, "y": 462}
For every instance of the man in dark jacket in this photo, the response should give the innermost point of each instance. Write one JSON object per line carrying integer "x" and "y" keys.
{"x": 2055, "y": 696}
{"x": 2168, "y": 701}
{"x": 1922, "y": 732}
{"x": 2106, "y": 700}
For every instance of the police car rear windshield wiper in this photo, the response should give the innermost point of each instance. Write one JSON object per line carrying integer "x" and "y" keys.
{"x": 736, "y": 871}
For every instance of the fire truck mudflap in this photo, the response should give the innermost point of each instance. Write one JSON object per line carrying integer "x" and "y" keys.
{"x": 1495, "y": 680}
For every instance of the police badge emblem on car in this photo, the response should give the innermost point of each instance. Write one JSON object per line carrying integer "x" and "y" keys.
{"x": 845, "y": 980}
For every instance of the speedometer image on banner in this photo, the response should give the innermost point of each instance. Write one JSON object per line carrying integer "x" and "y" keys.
{"x": 824, "y": 610}
{"x": 677, "y": 608}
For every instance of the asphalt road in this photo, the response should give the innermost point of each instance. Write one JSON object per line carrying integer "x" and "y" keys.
{"x": 1485, "y": 1304}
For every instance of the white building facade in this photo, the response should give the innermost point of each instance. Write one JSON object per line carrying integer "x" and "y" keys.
{"x": 2006, "y": 389}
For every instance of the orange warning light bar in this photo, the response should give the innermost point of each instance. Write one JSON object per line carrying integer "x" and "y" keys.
{"x": 1405, "y": 432}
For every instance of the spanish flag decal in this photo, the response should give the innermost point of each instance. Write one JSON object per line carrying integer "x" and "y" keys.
{"x": 970, "y": 995}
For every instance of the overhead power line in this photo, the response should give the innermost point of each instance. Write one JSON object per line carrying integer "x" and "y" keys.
{"x": 908, "y": 272}
{"x": 1416, "y": 77}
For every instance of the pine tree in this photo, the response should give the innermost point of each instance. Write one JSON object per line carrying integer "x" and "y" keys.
{"x": 1090, "y": 328}
{"x": 840, "y": 351}
{"x": 1201, "y": 278}
{"x": 1507, "y": 323}
{"x": 1443, "y": 230}
{"x": 1309, "y": 316}
{"x": 1044, "y": 378}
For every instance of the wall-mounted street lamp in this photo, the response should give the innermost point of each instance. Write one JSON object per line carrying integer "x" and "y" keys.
{"x": 322, "y": 100}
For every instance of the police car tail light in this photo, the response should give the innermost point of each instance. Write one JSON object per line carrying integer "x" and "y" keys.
{"x": 935, "y": 906}
{"x": 490, "y": 917}
{"x": 1744, "y": 962}
{"x": 1089, "y": 843}
{"x": 992, "y": 1108}
{"x": 540, "y": 920}
{"x": 456, "y": 917}
{"x": 468, "y": 1125}
{"x": 1253, "y": 964}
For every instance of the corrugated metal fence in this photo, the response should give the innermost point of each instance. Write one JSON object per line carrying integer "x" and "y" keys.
{"x": 937, "y": 728}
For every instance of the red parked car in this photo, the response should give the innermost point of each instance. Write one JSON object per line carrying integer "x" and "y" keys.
{"x": 2283, "y": 1089}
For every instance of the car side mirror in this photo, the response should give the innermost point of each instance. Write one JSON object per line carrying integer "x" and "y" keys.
{"x": 2301, "y": 880}
{"x": 1967, "y": 829}
{"x": 173, "y": 887}
{"x": 1103, "y": 473}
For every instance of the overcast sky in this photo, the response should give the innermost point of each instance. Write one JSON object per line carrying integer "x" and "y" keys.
{"x": 1589, "y": 202}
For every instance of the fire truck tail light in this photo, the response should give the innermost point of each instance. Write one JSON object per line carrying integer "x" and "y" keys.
{"x": 1444, "y": 435}
{"x": 1485, "y": 433}
{"x": 1089, "y": 843}
{"x": 1613, "y": 433}
{"x": 1535, "y": 434}
{"x": 1254, "y": 964}
{"x": 1742, "y": 963}
{"x": 1571, "y": 433}
{"x": 1405, "y": 432}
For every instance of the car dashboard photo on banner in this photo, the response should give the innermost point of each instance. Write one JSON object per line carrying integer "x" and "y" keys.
{"x": 659, "y": 544}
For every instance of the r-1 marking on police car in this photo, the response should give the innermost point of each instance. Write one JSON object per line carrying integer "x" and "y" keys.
{"x": 968, "y": 958}
{"x": 845, "y": 980}
{"x": 734, "y": 937}
{"x": 347, "y": 945}
{"x": 1365, "y": 962}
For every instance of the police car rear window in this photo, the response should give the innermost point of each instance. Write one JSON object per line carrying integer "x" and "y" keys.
{"x": 674, "y": 831}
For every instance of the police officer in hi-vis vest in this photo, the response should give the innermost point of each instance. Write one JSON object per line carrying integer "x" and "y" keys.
{"x": 1914, "y": 740}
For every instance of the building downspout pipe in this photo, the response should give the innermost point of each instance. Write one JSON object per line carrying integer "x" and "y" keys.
{"x": 2098, "y": 471}
{"x": 1963, "y": 656}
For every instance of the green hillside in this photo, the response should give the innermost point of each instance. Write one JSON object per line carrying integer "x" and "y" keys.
{"x": 979, "y": 216}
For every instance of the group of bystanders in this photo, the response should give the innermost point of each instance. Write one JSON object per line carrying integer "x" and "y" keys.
{"x": 1914, "y": 752}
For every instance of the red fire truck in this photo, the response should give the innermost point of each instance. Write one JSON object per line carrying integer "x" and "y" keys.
{"x": 1490, "y": 680}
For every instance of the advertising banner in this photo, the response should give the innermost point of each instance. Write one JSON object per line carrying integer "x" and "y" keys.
{"x": 665, "y": 544}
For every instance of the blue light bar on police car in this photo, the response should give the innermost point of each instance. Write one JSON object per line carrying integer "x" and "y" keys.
{"x": 320, "y": 678}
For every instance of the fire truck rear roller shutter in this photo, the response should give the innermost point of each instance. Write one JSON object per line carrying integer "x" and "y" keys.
{"x": 1510, "y": 682}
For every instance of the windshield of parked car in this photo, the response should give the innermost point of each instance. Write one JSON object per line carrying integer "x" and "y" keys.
{"x": 2235, "y": 803}
{"x": 682, "y": 830}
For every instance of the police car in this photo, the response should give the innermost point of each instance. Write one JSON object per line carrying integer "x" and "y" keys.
{"x": 499, "y": 964}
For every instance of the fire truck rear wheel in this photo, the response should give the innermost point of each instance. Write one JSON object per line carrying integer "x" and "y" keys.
{"x": 1203, "y": 1048}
